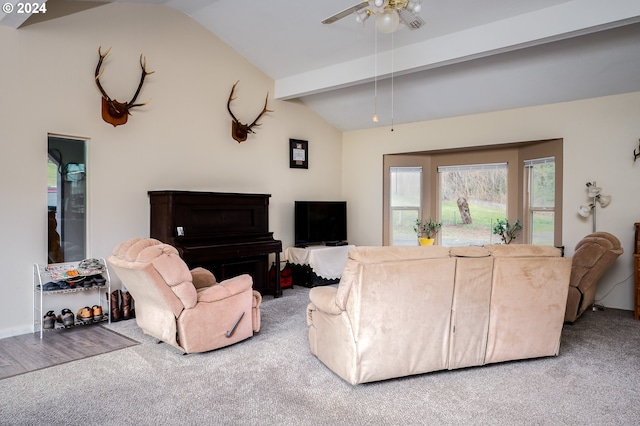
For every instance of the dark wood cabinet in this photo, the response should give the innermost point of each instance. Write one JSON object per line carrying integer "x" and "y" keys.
{"x": 227, "y": 233}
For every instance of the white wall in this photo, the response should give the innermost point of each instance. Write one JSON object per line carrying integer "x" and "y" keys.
{"x": 599, "y": 138}
{"x": 181, "y": 140}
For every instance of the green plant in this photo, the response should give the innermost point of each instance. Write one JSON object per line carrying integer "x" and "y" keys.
{"x": 506, "y": 231}
{"x": 428, "y": 229}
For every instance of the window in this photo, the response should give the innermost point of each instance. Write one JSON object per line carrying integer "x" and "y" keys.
{"x": 540, "y": 178}
{"x": 517, "y": 181}
{"x": 472, "y": 197}
{"x": 405, "y": 194}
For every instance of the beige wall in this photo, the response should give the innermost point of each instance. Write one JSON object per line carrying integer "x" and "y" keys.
{"x": 181, "y": 140}
{"x": 599, "y": 138}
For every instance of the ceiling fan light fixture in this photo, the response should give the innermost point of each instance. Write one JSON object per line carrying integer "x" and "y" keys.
{"x": 388, "y": 21}
{"x": 362, "y": 16}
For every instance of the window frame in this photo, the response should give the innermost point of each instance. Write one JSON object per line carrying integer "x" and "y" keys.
{"x": 515, "y": 154}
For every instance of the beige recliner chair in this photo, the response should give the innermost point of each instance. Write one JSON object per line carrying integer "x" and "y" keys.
{"x": 594, "y": 254}
{"x": 185, "y": 308}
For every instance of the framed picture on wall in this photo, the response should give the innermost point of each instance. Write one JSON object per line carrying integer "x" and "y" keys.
{"x": 298, "y": 154}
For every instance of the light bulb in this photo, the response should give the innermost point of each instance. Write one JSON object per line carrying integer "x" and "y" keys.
{"x": 378, "y": 3}
{"x": 361, "y": 17}
{"x": 375, "y": 118}
{"x": 388, "y": 21}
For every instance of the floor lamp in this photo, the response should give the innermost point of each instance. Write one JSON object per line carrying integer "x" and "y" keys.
{"x": 595, "y": 194}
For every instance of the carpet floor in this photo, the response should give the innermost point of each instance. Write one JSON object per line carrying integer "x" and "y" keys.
{"x": 273, "y": 379}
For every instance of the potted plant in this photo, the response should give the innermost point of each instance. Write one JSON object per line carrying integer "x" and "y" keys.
{"x": 426, "y": 231}
{"x": 507, "y": 232}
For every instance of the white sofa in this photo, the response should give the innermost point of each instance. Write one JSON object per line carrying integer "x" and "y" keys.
{"x": 399, "y": 311}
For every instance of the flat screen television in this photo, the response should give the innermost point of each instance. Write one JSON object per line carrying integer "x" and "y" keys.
{"x": 320, "y": 222}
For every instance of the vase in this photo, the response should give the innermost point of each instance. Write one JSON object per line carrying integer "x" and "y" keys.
{"x": 426, "y": 241}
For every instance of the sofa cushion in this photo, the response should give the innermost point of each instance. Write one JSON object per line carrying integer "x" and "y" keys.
{"x": 131, "y": 249}
{"x": 523, "y": 250}
{"x": 226, "y": 288}
{"x": 367, "y": 255}
{"x": 470, "y": 251}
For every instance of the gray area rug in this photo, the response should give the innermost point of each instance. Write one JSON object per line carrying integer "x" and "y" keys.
{"x": 272, "y": 379}
{"x": 28, "y": 352}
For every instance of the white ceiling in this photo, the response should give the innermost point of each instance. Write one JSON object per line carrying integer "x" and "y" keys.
{"x": 470, "y": 56}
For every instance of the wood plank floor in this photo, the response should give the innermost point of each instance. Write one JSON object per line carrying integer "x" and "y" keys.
{"x": 27, "y": 352}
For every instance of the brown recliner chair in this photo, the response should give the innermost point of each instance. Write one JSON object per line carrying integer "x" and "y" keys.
{"x": 594, "y": 254}
{"x": 185, "y": 308}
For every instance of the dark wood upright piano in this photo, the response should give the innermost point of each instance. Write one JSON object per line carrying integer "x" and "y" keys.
{"x": 226, "y": 233}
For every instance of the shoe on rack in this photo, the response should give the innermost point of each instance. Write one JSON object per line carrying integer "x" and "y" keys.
{"x": 85, "y": 314}
{"x": 66, "y": 318}
{"x": 63, "y": 284}
{"x": 85, "y": 282}
{"x": 97, "y": 312}
{"x": 99, "y": 280}
{"x": 50, "y": 286}
{"x": 49, "y": 321}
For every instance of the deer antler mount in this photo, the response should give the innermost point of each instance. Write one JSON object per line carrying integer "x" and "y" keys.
{"x": 240, "y": 131}
{"x": 114, "y": 112}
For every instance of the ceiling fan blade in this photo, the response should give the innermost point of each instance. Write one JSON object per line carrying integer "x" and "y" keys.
{"x": 346, "y": 12}
{"x": 413, "y": 22}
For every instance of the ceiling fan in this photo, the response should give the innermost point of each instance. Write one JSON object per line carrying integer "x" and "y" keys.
{"x": 389, "y": 14}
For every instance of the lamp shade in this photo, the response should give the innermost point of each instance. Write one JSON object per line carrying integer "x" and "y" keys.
{"x": 604, "y": 200}
{"x": 594, "y": 191}
{"x": 585, "y": 211}
{"x": 388, "y": 21}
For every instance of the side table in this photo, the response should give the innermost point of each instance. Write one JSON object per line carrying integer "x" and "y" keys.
{"x": 317, "y": 265}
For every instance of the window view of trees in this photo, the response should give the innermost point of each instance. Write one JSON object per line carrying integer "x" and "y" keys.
{"x": 405, "y": 196}
{"x": 468, "y": 191}
{"x": 471, "y": 199}
{"x": 541, "y": 201}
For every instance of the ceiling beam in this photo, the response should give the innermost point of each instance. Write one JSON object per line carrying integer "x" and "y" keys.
{"x": 566, "y": 20}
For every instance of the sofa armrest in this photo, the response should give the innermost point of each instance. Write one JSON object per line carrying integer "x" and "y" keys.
{"x": 226, "y": 288}
{"x": 324, "y": 299}
{"x": 255, "y": 310}
{"x": 202, "y": 278}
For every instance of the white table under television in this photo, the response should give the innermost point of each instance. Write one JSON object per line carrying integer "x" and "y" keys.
{"x": 317, "y": 265}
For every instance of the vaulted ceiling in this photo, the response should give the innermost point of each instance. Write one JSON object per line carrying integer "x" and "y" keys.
{"x": 469, "y": 57}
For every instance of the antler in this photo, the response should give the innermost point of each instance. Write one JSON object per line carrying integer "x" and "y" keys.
{"x": 143, "y": 65}
{"x": 229, "y": 101}
{"x": 239, "y": 130}
{"x": 115, "y": 112}
{"x": 99, "y": 73}
{"x": 264, "y": 110}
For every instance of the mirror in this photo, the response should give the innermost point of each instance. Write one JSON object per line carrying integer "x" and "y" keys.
{"x": 66, "y": 199}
